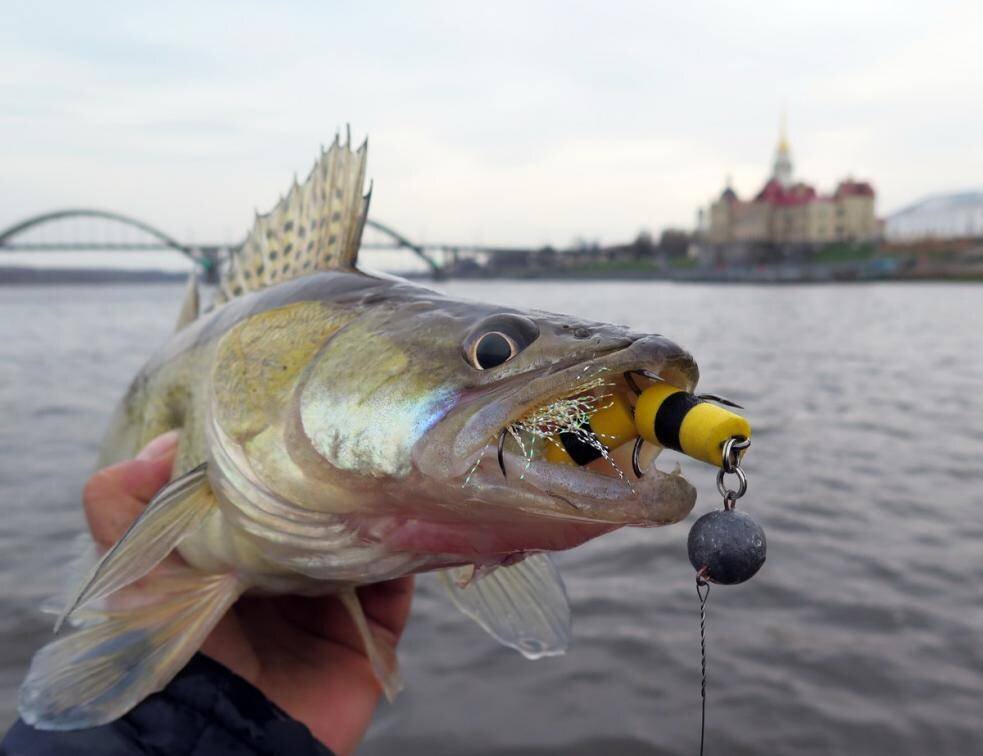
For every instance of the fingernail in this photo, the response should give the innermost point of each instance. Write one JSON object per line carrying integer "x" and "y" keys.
{"x": 159, "y": 446}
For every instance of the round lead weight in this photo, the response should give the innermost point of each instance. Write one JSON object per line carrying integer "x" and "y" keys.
{"x": 727, "y": 545}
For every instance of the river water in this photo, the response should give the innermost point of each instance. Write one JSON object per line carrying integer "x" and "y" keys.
{"x": 863, "y": 633}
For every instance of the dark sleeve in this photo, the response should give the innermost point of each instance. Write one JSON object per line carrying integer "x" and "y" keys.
{"x": 205, "y": 710}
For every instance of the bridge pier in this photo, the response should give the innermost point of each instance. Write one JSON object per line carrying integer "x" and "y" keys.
{"x": 208, "y": 260}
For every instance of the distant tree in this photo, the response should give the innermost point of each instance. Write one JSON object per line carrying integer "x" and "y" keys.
{"x": 674, "y": 242}
{"x": 644, "y": 246}
{"x": 587, "y": 248}
{"x": 546, "y": 257}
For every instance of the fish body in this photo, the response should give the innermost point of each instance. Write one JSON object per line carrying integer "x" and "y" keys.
{"x": 337, "y": 429}
{"x": 358, "y": 372}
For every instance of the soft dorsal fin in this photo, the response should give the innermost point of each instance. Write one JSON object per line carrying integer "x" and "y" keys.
{"x": 191, "y": 305}
{"x": 317, "y": 226}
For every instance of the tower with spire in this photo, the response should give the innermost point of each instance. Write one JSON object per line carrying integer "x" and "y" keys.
{"x": 782, "y": 168}
{"x": 789, "y": 213}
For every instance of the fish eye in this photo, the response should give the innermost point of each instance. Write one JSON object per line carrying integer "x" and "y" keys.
{"x": 492, "y": 349}
{"x": 497, "y": 339}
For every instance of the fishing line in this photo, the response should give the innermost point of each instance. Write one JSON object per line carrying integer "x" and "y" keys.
{"x": 725, "y": 547}
{"x": 703, "y": 592}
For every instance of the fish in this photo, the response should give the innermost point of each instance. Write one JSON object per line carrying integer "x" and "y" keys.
{"x": 338, "y": 428}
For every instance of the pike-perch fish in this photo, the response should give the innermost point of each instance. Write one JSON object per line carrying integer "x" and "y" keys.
{"x": 339, "y": 428}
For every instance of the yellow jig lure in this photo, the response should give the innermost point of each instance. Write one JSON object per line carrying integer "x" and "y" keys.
{"x": 663, "y": 415}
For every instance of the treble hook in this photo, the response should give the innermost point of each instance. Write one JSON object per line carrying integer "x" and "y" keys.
{"x": 646, "y": 373}
{"x": 501, "y": 453}
{"x": 636, "y": 450}
{"x": 719, "y": 400}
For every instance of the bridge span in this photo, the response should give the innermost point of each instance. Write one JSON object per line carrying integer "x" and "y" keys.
{"x": 207, "y": 256}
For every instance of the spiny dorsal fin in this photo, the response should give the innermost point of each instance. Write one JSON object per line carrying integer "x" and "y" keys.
{"x": 317, "y": 226}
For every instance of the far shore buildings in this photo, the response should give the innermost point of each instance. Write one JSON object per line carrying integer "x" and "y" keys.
{"x": 945, "y": 216}
{"x": 788, "y": 217}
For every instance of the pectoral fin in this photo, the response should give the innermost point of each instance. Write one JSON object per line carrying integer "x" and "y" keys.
{"x": 523, "y": 606}
{"x": 381, "y": 654}
{"x": 99, "y": 671}
{"x": 175, "y": 511}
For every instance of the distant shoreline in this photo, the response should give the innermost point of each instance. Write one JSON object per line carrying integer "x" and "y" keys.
{"x": 23, "y": 276}
{"x": 20, "y": 276}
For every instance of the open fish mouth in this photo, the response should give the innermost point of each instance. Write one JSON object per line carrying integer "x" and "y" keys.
{"x": 518, "y": 431}
{"x": 561, "y": 428}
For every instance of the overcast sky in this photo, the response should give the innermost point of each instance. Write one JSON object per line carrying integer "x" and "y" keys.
{"x": 504, "y": 123}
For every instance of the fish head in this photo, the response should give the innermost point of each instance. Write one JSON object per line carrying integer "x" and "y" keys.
{"x": 411, "y": 399}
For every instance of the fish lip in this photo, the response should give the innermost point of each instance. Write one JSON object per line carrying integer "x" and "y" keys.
{"x": 659, "y": 498}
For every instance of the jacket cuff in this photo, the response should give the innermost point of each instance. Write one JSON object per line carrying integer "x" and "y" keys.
{"x": 205, "y": 709}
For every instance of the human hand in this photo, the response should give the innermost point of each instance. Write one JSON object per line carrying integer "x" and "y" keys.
{"x": 304, "y": 654}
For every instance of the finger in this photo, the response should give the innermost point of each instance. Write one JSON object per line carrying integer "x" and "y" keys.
{"x": 388, "y": 604}
{"x": 115, "y": 496}
{"x": 324, "y": 617}
{"x": 165, "y": 444}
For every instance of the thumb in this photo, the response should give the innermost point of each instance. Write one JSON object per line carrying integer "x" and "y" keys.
{"x": 116, "y": 495}
{"x": 164, "y": 445}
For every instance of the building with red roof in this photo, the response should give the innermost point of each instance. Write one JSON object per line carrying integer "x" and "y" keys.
{"x": 790, "y": 213}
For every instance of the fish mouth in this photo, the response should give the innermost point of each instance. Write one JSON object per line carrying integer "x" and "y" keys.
{"x": 505, "y": 454}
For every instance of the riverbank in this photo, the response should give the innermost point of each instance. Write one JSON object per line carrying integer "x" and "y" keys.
{"x": 888, "y": 268}
{"x": 19, "y": 276}
{"x": 875, "y": 269}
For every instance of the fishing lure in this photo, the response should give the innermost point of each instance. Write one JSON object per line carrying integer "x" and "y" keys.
{"x": 726, "y": 546}
{"x": 663, "y": 415}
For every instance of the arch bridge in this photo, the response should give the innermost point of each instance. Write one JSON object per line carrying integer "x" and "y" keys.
{"x": 206, "y": 256}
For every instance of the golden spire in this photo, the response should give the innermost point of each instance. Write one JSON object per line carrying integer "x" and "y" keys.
{"x": 782, "y": 167}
